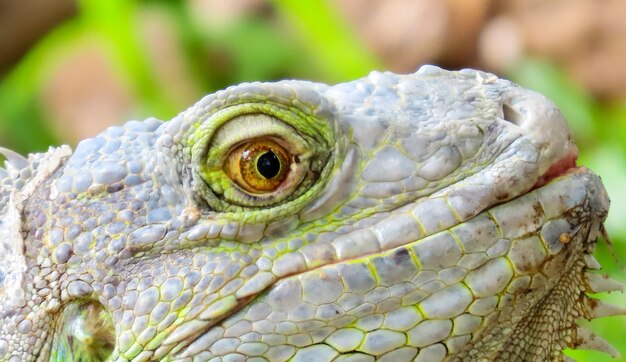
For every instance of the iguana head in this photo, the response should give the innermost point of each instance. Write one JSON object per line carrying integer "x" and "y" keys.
{"x": 432, "y": 215}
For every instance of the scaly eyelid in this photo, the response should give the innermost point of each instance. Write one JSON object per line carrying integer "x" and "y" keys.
{"x": 310, "y": 140}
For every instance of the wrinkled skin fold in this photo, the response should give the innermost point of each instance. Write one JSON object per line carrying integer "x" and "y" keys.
{"x": 431, "y": 216}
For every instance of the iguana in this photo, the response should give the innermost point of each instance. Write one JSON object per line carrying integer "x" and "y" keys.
{"x": 424, "y": 217}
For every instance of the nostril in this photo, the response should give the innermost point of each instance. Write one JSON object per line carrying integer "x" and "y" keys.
{"x": 511, "y": 115}
{"x": 539, "y": 122}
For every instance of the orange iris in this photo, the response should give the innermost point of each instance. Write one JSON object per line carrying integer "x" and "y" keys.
{"x": 259, "y": 166}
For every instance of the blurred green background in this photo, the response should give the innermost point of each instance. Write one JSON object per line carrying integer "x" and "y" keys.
{"x": 70, "y": 69}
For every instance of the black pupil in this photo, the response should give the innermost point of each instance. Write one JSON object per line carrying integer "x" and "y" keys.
{"x": 268, "y": 165}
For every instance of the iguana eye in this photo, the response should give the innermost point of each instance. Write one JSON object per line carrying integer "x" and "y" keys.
{"x": 258, "y": 160}
{"x": 259, "y": 166}
{"x": 84, "y": 332}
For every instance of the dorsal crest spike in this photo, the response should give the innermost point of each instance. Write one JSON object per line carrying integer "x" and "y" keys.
{"x": 13, "y": 159}
{"x": 599, "y": 308}
{"x": 600, "y": 283}
{"x": 585, "y": 339}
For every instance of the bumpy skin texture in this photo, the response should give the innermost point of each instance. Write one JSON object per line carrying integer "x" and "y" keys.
{"x": 430, "y": 216}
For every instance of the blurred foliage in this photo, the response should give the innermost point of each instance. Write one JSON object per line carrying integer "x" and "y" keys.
{"x": 311, "y": 41}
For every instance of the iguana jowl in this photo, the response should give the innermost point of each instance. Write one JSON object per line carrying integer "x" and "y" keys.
{"x": 432, "y": 216}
